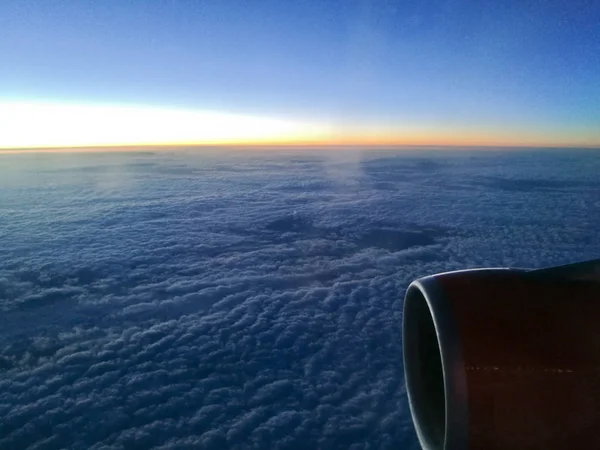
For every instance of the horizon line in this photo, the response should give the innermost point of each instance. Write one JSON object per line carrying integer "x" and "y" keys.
{"x": 285, "y": 145}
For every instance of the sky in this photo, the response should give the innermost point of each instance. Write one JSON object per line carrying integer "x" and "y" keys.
{"x": 439, "y": 72}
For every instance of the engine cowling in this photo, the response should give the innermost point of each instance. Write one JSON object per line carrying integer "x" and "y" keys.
{"x": 504, "y": 358}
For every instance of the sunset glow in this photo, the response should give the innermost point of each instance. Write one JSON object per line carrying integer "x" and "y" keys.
{"x": 53, "y": 125}
{"x": 46, "y": 125}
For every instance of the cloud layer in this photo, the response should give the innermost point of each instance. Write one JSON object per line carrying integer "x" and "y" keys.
{"x": 249, "y": 300}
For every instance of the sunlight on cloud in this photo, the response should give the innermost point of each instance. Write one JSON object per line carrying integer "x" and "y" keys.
{"x": 37, "y": 124}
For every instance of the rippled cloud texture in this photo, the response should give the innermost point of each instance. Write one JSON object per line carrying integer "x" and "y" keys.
{"x": 231, "y": 300}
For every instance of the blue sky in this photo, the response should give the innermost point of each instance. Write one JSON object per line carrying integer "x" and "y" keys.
{"x": 519, "y": 70}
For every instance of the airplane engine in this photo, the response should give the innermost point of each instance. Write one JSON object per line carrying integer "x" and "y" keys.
{"x": 500, "y": 359}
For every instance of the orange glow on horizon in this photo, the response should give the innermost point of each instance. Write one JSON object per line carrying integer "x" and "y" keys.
{"x": 333, "y": 144}
{"x": 55, "y": 127}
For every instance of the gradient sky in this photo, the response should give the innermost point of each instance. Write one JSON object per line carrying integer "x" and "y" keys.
{"x": 431, "y": 72}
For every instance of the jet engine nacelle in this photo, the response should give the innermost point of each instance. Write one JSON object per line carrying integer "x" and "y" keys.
{"x": 505, "y": 358}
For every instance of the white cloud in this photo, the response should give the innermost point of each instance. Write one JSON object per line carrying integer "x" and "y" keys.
{"x": 180, "y": 312}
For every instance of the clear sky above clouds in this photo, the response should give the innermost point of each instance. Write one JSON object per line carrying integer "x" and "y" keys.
{"x": 440, "y": 71}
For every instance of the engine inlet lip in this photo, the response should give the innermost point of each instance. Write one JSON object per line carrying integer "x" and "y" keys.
{"x": 456, "y": 426}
